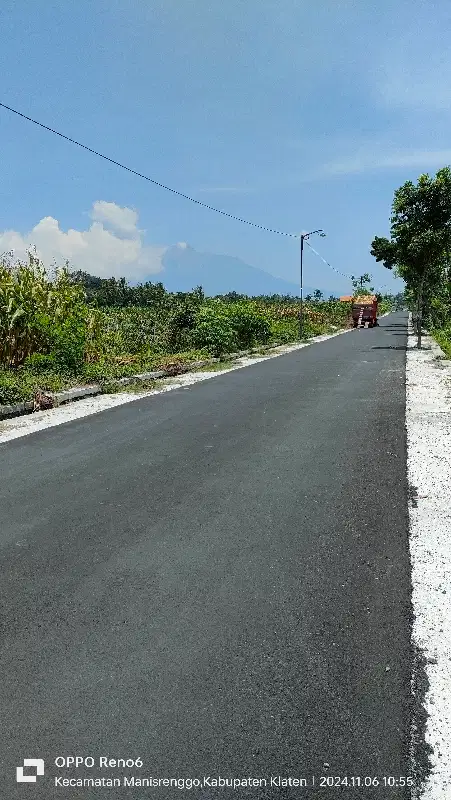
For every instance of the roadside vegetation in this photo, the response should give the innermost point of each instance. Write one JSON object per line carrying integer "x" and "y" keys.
{"x": 60, "y": 329}
{"x": 419, "y": 251}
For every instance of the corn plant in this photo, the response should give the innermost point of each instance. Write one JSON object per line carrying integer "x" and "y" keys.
{"x": 36, "y": 313}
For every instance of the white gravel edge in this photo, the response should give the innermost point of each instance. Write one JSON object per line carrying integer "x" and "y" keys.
{"x": 428, "y": 421}
{"x": 40, "y": 420}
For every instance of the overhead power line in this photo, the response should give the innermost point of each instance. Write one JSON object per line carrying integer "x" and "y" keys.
{"x": 343, "y": 274}
{"x": 146, "y": 177}
{"x": 326, "y": 262}
{"x": 169, "y": 188}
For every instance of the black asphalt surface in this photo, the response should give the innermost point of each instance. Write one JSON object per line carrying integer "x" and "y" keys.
{"x": 216, "y": 580}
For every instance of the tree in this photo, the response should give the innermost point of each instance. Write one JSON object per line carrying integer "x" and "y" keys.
{"x": 317, "y": 295}
{"x": 90, "y": 283}
{"x": 420, "y": 238}
{"x": 359, "y": 284}
{"x": 232, "y": 297}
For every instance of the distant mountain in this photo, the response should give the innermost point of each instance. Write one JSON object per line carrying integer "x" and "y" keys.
{"x": 184, "y": 268}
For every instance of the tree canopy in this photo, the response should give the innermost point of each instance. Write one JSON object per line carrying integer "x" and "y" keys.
{"x": 420, "y": 237}
{"x": 360, "y": 284}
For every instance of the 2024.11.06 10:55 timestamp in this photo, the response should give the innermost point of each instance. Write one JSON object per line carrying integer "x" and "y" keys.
{"x": 384, "y": 782}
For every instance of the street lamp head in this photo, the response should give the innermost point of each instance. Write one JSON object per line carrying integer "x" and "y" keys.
{"x": 320, "y": 232}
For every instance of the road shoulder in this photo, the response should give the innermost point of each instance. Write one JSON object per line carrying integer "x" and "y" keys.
{"x": 428, "y": 420}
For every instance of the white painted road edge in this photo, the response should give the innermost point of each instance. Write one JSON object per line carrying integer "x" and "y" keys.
{"x": 428, "y": 420}
{"x": 40, "y": 420}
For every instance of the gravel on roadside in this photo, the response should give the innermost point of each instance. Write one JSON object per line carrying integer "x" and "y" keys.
{"x": 428, "y": 420}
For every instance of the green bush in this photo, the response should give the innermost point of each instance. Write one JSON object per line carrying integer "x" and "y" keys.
{"x": 67, "y": 345}
{"x": 224, "y": 327}
{"x": 284, "y": 330}
{"x": 131, "y": 330}
{"x": 250, "y": 325}
{"x": 181, "y": 322}
{"x": 40, "y": 363}
{"x": 384, "y": 306}
{"x": 214, "y": 331}
{"x": 22, "y": 384}
{"x": 313, "y": 328}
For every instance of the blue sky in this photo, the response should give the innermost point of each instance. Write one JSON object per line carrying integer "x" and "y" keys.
{"x": 291, "y": 114}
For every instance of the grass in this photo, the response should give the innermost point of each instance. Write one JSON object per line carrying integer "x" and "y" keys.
{"x": 21, "y": 384}
{"x": 443, "y": 339}
{"x": 217, "y": 367}
{"x": 136, "y": 387}
{"x": 17, "y": 386}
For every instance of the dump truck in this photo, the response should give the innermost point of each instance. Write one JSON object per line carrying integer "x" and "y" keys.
{"x": 364, "y": 310}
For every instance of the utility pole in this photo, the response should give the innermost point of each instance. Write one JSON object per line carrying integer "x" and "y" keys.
{"x": 301, "y": 288}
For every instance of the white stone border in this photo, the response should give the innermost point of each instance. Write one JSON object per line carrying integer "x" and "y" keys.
{"x": 428, "y": 421}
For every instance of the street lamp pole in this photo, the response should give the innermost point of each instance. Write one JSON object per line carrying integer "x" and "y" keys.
{"x": 301, "y": 307}
{"x": 301, "y": 296}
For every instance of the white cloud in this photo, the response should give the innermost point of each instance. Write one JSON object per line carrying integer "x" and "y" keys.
{"x": 115, "y": 217}
{"x": 97, "y": 250}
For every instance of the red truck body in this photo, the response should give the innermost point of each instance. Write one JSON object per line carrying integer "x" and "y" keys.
{"x": 364, "y": 310}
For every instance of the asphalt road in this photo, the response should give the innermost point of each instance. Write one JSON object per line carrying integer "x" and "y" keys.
{"x": 216, "y": 580}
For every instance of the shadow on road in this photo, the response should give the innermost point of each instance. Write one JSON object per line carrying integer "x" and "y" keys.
{"x": 390, "y": 347}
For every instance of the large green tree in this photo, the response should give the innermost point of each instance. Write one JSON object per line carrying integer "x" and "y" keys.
{"x": 360, "y": 284}
{"x": 420, "y": 237}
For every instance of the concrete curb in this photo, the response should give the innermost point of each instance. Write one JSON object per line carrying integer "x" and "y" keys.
{"x": 81, "y": 392}
{"x": 6, "y": 412}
